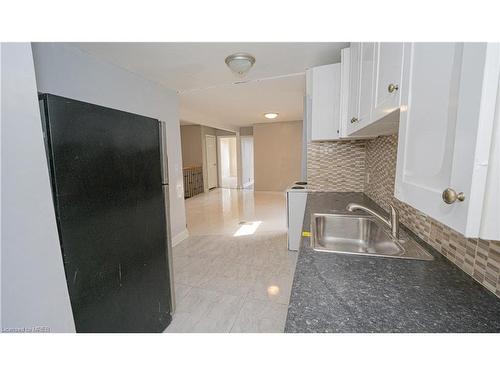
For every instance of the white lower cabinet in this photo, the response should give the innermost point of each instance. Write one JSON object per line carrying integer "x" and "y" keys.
{"x": 448, "y": 103}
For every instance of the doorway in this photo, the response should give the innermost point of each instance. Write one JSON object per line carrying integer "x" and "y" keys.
{"x": 228, "y": 162}
{"x": 247, "y": 162}
{"x": 211, "y": 149}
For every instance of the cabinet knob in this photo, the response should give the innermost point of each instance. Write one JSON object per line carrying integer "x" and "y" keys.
{"x": 354, "y": 119}
{"x": 451, "y": 196}
{"x": 392, "y": 87}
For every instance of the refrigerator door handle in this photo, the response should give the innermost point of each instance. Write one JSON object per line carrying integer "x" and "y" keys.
{"x": 164, "y": 181}
{"x": 169, "y": 249}
{"x": 163, "y": 151}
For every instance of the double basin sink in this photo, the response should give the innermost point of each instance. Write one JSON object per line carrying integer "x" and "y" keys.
{"x": 362, "y": 235}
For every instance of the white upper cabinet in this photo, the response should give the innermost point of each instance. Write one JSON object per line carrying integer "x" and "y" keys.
{"x": 490, "y": 223}
{"x": 388, "y": 76}
{"x": 325, "y": 108}
{"x": 360, "y": 85}
{"x": 345, "y": 62}
{"x": 365, "y": 88}
{"x": 374, "y": 88}
{"x": 354, "y": 89}
{"x": 448, "y": 101}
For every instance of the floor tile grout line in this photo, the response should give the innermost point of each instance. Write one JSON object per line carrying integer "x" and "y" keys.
{"x": 256, "y": 264}
{"x": 239, "y": 312}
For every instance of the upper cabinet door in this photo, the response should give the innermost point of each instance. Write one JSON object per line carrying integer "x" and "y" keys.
{"x": 388, "y": 76}
{"x": 325, "y": 111}
{"x": 446, "y": 122}
{"x": 345, "y": 62}
{"x": 366, "y": 82}
{"x": 362, "y": 62}
{"x": 354, "y": 89}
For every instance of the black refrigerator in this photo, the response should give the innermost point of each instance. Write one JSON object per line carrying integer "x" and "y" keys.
{"x": 109, "y": 179}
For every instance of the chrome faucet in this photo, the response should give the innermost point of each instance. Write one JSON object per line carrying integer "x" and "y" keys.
{"x": 392, "y": 222}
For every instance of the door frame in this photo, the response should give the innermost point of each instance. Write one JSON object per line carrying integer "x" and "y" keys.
{"x": 219, "y": 172}
{"x": 217, "y": 184}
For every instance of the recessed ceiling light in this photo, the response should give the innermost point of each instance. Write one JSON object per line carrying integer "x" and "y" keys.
{"x": 271, "y": 115}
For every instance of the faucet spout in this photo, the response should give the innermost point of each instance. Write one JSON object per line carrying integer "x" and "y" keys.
{"x": 392, "y": 222}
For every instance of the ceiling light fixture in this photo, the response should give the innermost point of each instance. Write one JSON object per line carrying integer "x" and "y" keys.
{"x": 271, "y": 115}
{"x": 240, "y": 63}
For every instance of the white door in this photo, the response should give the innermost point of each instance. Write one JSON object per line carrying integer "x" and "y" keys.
{"x": 388, "y": 75}
{"x": 211, "y": 148}
{"x": 445, "y": 130}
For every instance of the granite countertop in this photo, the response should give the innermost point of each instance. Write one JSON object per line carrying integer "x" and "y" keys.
{"x": 349, "y": 293}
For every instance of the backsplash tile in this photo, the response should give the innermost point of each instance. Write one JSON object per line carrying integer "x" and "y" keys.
{"x": 336, "y": 166}
{"x": 329, "y": 166}
{"x": 381, "y": 170}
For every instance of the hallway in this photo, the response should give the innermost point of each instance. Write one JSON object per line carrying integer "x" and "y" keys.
{"x": 234, "y": 272}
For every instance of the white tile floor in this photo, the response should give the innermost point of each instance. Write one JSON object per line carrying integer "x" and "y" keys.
{"x": 229, "y": 279}
{"x": 230, "y": 182}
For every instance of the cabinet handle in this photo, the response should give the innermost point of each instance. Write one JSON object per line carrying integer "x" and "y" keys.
{"x": 354, "y": 119}
{"x": 451, "y": 196}
{"x": 392, "y": 87}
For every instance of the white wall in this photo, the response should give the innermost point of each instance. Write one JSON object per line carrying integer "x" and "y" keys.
{"x": 225, "y": 161}
{"x": 66, "y": 71}
{"x": 247, "y": 160}
{"x": 228, "y": 156}
{"x": 34, "y": 291}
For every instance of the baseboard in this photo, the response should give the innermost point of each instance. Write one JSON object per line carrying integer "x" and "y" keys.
{"x": 180, "y": 237}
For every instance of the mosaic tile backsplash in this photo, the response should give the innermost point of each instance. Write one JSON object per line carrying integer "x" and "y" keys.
{"x": 476, "y": 257}
{"x": 336, "y": 166}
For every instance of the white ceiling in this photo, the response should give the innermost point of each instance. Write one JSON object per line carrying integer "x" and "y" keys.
{"x": 206, "y": 86}
{"x": 246, "y": 103}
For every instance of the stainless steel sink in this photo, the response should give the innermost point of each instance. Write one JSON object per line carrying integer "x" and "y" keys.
{"x": 361, "y": 235}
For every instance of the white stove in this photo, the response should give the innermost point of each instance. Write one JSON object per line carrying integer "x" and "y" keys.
{"x": 296, "y": 198}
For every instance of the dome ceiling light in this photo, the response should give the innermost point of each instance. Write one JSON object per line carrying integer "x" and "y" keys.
{"x": 240, "y": 63}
